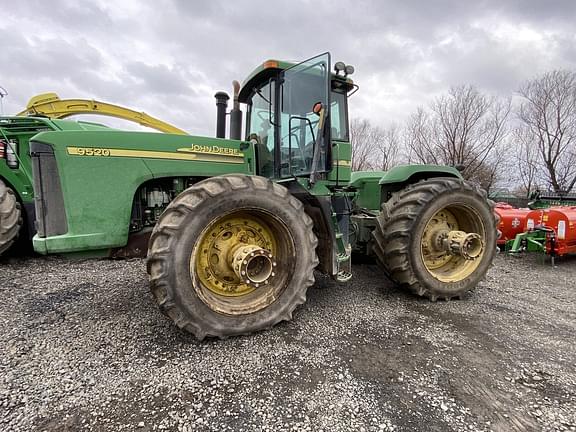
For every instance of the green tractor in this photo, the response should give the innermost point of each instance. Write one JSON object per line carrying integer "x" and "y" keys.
{"x": 16, "y": 191}
{"x": 234, "y": 228}
{"x": 44, "y": 112}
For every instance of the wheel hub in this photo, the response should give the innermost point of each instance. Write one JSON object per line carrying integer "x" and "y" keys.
{"x": 253, "y": 265}
{"x": 242, "y": 261}
{"x": 236, "y": 256}
{"x": 453, "y": 243}
{"x": 467, "y": 245}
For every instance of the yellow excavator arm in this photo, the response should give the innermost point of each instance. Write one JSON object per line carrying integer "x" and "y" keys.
{"x": 50, "y": 105}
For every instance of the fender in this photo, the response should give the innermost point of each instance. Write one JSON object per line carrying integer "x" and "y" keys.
{"x": 406, "y": 174}
{"x": 376, "y": 187}
{"x": 401, "y": 176}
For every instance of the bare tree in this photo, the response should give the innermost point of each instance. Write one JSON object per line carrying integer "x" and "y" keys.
{"x": 388, "y": 142}
{"x": 363, "y": 144}
{"x": 463, "y": 128}
{"x": 374, "y": 147}
{"x": 418, "y": 139}
{"x": 526, "y": 157}
{"x": 493, "y": 170}
{"x": 548, "y": 113}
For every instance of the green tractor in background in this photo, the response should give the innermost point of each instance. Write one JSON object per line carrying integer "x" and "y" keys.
{"x": 16, "y": 191}
{"x": 44, "y": 112}
{"x": 235, "y": 228}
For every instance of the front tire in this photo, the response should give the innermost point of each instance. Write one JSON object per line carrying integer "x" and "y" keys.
{"x": 232, "y": 255}
{"x": 413, "y": 243}
{"x": 10, "y": 217}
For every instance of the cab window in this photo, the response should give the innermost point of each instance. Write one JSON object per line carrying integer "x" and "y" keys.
{"x": 338, "y": 118}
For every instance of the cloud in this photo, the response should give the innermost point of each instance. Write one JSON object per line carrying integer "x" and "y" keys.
{"x": 169, "y": 57}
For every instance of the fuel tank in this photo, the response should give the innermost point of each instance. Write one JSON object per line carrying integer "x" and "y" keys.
{"x": 562, "y": 220}
{"x": 513, "y": 221}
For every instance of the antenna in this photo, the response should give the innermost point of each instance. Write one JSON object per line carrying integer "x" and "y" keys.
{"x": 3, "y": 94}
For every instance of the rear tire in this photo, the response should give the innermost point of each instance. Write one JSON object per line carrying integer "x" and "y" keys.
{"x": 402, "y": 237}
{"x": 197, "y": 241}
{"x": 10, "y": 217}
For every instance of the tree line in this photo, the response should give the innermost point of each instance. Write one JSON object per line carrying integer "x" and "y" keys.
{"x": 528, "y": 142}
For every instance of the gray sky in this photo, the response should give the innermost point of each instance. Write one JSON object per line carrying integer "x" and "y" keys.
{"x": 169, "y": 57}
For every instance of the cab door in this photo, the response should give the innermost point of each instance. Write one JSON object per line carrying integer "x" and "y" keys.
{"x": 302, "y": 135}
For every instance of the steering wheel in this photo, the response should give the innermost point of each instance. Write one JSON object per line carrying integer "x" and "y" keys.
{"x": 263, "y": 115}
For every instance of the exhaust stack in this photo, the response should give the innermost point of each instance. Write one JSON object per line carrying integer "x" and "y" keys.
{"x": 236, "y": 114}
{"x": 221, "y": 107}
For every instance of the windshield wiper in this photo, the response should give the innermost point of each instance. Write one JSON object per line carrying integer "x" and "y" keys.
{"x": 262, "y": 96}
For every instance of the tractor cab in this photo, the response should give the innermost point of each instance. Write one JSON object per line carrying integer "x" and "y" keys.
{"x": 297, "y": 118}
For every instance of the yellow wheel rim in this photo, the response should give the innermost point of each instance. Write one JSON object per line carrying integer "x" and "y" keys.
{"x": 241, "y": 261}
{"x": 441, "y": 260}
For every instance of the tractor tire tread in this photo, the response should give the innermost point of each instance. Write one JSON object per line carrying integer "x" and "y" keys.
{"x": 10, "y": 217}
{"x": 165, "y": 235}
{"x": 395, "y": 225}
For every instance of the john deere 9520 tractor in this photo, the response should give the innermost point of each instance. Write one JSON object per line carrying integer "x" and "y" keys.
{"x": 237, "y": 227}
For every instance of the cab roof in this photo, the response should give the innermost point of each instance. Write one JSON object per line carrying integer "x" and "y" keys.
{"x": 269, "y": 69}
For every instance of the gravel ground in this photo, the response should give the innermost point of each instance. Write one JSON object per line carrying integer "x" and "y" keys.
{"x": 83, "y": 347}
